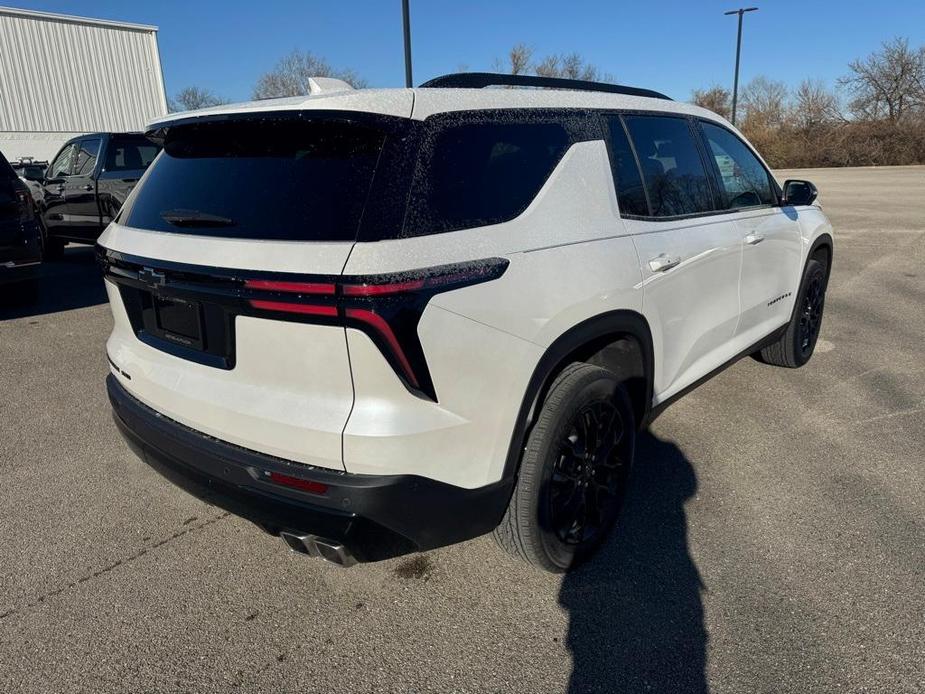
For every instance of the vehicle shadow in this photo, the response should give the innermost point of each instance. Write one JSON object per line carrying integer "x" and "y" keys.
{"x": 72, "y": 282}
{"x": 635, "y": 612}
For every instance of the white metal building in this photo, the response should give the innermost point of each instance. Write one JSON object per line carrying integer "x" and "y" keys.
{"x": 62, "y": 76}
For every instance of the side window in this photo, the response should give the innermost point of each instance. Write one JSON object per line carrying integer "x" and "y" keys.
{"x": 631, "y": 195}
{"x": 482, "y": 172}
{"x": 743, "y": 179}
{"x": 130, "y": 155}
{"x": 86, "y": 156}
{"x": 63, "y": 163}
{"x": 672, "y": 167}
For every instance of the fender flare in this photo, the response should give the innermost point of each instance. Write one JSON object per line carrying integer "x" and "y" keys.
{"x": 584, "y": 334}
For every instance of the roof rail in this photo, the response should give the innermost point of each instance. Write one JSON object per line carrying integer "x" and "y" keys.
{"x": 479, "y": 80}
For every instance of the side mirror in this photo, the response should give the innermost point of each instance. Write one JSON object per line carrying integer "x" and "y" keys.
{"x": 798, "y": 192}
{"x": 53, "y": 181}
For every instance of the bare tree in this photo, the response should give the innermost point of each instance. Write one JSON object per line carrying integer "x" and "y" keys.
{"x": 570, "y": 66}
{"x": 291, "y": 74}
{"x": 716, "y": 98}
{"x": 889, "y": 83}
{"x": 518, "y": 60}
{"x": 765, "y": 102}
{"x": 815, "y": 105}
{"x": 191, "y": 98}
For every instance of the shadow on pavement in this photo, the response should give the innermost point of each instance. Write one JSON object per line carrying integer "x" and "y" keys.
{"x": 635, "y": 613}
{"x": 73, "y": 282}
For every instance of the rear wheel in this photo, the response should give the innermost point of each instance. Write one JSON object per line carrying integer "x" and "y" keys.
{"x": 574, "y": 471}
{"x": 796, "y": 345}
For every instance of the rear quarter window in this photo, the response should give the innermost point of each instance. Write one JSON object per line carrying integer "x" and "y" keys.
{"x": 475, "y": 171}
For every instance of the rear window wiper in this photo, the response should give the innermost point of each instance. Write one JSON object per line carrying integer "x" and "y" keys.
{"x": 195, "y": 218}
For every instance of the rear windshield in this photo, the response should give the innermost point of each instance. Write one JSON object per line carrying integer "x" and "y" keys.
{"x": 279, "y": 179}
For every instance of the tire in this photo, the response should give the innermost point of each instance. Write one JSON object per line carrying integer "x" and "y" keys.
{"x": 796, "y": 345}
{"x": 567, "y": 472}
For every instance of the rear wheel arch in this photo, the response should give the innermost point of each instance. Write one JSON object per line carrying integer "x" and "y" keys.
{"x": 619, "y": 341}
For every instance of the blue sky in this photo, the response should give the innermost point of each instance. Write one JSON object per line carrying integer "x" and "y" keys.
{"x": 669, "y": 46}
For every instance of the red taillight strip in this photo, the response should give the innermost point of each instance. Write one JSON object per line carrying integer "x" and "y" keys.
{"x": 292, "y": 287}
{"x": 385, "y": 330}
{"x": 287, "y": 307}
{"x": 298, "y": 483}
{"x": 383, "y": 289}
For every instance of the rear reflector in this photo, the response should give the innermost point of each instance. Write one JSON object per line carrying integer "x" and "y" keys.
{"x": 304, "y": 485}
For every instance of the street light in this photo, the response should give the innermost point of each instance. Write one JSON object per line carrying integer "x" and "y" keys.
{"x": 735, "y": 85}
{"x": 406, "y": 25}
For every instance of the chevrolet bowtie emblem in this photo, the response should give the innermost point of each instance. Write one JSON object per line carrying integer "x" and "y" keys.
{"x": 152, "y": 278}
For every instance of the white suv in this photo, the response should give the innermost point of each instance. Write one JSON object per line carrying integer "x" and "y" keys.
{"x": 382, "y": 321}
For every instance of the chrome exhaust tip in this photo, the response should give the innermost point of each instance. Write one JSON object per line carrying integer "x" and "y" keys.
{"x": 314, "y": 546}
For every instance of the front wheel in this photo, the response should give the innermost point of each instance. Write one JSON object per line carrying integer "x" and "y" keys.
{"x": 796, "y": 345}
{"x": 574, "y": 471}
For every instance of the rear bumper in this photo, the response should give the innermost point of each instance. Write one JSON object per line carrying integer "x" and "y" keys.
{"x": 374, "y": 516}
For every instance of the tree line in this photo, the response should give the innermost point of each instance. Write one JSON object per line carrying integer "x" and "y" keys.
{"x": 874, "y": 115}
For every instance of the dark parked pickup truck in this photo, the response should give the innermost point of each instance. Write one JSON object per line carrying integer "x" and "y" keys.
{"x": 86, "y": 184}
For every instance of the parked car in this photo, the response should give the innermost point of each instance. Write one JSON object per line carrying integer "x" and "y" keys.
{"x": 382, "y": 321}
{"x": 20, "y": 236}
{"x": 87, "y": 182}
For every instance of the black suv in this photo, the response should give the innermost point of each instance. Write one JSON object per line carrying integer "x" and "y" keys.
{"x": 87, "y": 182}
{"x": 20, "y": 235}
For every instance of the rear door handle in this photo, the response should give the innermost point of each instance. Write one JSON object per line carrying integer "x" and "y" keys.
{"x": 88, "y": 187}
{"x": 753, "y": 239}
{"x": 663, "y": 262}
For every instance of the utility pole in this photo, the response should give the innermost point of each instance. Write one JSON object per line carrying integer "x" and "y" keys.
{"x": 735, "y": 85}
{"x": 406, "y": 21}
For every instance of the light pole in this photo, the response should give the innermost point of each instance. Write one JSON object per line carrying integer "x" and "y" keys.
{"x": 735, "y": 85}
{"x": 406, "y": 22}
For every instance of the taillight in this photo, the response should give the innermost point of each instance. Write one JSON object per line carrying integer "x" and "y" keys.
{"x": 385, "y": 307}
{"x": 26, "y": 211}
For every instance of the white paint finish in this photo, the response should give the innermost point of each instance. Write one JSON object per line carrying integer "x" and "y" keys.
{"x": 427, "y": 102}
{"x": 430, "y": 101}
{"x": 243, "y": 254}
{"x": 577, "y": 203}
{"x": 480, "y": 375}
{"x": 288, "y": 395}
{"x": 388, "y": 102}
{"x": 92, "y": 76}
{"x": 771, "y": 269}
{"x": 692, "y": 309}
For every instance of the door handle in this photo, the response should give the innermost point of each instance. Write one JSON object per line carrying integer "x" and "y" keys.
{"x": 88, "y": 187}
{"x": 754, "y": 239}
{"x": 663, "y": 262}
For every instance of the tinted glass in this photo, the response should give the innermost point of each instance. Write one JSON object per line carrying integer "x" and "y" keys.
{"x": 671, "y": 165}
{"x": 743, "y": 178}
{"x": 86, "y": 156}
{"x": 134, "y": 154}
{"x": 479, "y": 173}
{"x": 631, "y": 195}
{"x": 260, "y": 179}
{"x": 61, "y": 166}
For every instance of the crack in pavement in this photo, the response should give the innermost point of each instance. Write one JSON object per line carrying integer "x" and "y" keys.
{"x": 186, "y": 530}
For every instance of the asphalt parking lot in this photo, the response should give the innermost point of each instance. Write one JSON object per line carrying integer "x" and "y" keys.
{"x": 774, "y": 539}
